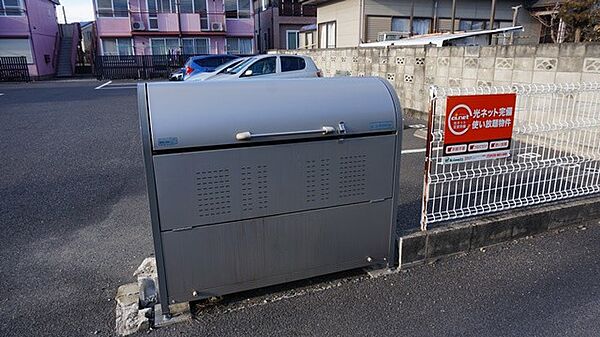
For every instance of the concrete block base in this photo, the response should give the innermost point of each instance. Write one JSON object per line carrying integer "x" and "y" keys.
{"x": 460, "y": 237}
{"x": 378, "y": 272}
{"x": 180, "y": 312}
{"x": 129, "y": 317}
{"x": 136, "y": 303}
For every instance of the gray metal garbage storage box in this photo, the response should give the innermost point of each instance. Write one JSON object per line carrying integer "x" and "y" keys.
{"x": 255, "y": 183}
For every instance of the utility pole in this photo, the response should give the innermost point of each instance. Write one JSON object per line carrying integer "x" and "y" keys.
{"x": 492, "y": 14}
{"x": 453, "y": 16}
{"x": 64, "y": 14}
{"x": 492, "y": 17}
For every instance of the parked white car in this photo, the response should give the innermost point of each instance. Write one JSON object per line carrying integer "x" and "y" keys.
{"x": 219, "y": 70}
{"x": 270, "y": 66}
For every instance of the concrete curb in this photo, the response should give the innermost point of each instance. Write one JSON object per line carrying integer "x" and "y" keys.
{"x": 464, "y": 236}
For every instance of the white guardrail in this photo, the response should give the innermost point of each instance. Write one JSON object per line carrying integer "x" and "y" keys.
{"x": 554, "y": 153}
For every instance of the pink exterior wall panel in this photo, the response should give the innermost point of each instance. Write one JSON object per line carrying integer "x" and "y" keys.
{"x": 40, "y": 26}
{"x": 240, "y": 27}
{"x": 170, "y": 23}
{"x": 14, "y": 26}
{"x": 44, "y": 35}
{"x": 190, "y": 23}
{"x": 113, "y": 27}
{"x": 167, "y": 22}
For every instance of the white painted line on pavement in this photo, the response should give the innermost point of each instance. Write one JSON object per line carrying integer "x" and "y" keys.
{"x": 412, "y": 151}
{"x": 103, "y": 85}
{"x": 123, "y": 84}
{"x": 109, "y": 88}
{"x": 1, "y": 94}
{"x": 409, "y": 151}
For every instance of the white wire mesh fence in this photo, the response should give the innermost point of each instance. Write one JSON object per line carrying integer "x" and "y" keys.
{"x": 555, "y": 154}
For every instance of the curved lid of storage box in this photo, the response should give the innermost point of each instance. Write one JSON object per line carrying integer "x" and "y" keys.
{"x": 227, "y": 113}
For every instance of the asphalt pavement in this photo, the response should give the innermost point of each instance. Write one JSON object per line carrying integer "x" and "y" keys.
{"x": 75, "y": 225}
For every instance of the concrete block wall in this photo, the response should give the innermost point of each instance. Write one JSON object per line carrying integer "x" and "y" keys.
{"x": 413, "y": 69}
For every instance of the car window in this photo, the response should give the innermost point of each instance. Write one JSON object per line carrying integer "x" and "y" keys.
{"x": 291, "y": 63}
{"x": 264, "y": 66}
{"x": 231, "y": 64}
{"x": 210, "y": 62}
{"x": 241, "y": 66}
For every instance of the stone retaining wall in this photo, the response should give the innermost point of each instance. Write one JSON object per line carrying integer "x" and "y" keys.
{"x": 413, "y": 69}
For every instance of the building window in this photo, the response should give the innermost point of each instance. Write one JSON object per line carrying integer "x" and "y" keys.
{"x": 196, "y": 46}
{"x": 112, "y": 8}
{"x": 401, "y": 25}
{"x": 327, "y": 35}
{"x": 239, "y": 45}
{"x": 117, "y": 46}
{"x": 11, "y": 8}
{"x": 308, "y": 40}
{"x": 193, "y": 6}
{"x": 163, "y": 6}
{"x": 237, "y": 9}
{"x": 421, "y": 26}
{"x": 164, "y": 46}
{"x": 291, "y": 40}
{"x": 16, "y": 47}
{"x": 468, "y": 25}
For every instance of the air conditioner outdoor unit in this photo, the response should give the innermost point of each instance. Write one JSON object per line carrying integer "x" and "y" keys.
{"x": 137, "y": 25}
{"x": 216, "y": 26}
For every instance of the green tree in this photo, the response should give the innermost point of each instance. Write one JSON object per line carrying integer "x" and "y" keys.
{"x": 582, "y": 19}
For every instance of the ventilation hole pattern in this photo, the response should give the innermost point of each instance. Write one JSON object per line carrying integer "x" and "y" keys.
{"x": 247, "y": 188}
{"x": 262, "y": 186}
{"x": 213, "y": 189}
{"x": 317, "y": 180}
{"x": 352, "y": 179}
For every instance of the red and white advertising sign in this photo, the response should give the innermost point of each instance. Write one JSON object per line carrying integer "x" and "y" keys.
{"x": 478, "y": 127}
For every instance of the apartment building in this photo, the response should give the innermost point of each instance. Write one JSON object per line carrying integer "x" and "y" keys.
{"x": 279, "y": 23}
{"x": 160, "y": 27}
{"x": 30, "y": 28}
{"x": 347, "y": 23}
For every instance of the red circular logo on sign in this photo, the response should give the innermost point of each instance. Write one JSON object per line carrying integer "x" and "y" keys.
{"x": 459, "y": 119}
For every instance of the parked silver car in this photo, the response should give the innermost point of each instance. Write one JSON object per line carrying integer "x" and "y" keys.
{"x": 270, "y": 66}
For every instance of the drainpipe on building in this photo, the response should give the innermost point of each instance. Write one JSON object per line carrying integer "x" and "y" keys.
{"x": 258, "y": 44}
{"x": 412, "y": 16}
{"x": 178, "y": 9}
{"x": 435, "y": 16}
{"x": 272, "y": 37}
{"x": 492, "y": 17}
{"x": 453, "y": 16}
{"x": 361, "y": 22}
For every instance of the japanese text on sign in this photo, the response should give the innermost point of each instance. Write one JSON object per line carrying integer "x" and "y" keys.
{"x": 478, "y": 127}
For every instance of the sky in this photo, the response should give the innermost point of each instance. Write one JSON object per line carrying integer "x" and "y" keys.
{"x": 76, "y": 10}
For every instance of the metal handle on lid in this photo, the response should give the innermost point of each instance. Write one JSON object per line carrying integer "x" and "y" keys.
{"x": 247, "y": 135}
